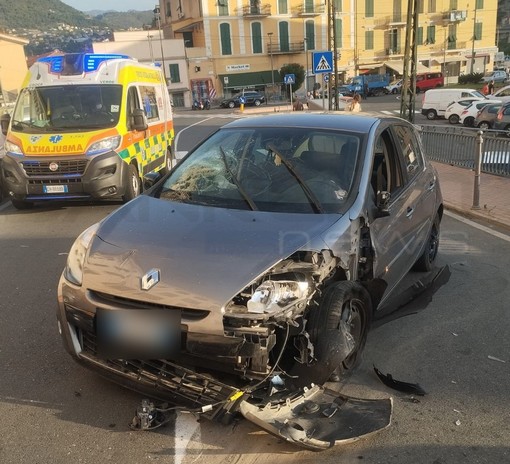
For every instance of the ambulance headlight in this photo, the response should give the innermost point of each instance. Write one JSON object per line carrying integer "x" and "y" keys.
{"x": 105, "y": 145}
{"x": 73, "y": 271}
{"x": 12, "y": 148}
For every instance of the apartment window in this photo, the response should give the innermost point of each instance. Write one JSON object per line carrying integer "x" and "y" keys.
{"x": 226, "y": 43}
{"x": 174, "y": 73}
{"x": 338, "y": 32}
{"x": 369, "y": 40}
{"x": 453, "y": 4}
{"x": 431, "y": 34}
{"x": 310, "y": 34}
{"x": 308, "y": 6}
{"x": 479, "y": 4}
{"x": 419, "y": 36}
{"x": 369, "y": 8}
{"x": 432, "y": 6}
{"x": 168, "y": 10}
{"x": 421, "y": 6}
{"x": 255, "y": 6}
{"x": 283, "y": 29}
{"x": 256, "y": 37}
{"x": 452, "y": 37}
{"x": 338, "y": 5}
{"x": 282, "y": 7}
{"x": 394, "y": 42}
{"x": 397, "y": 11}
{"x": 223, "y": 8}
{"x": 478, "y": 31}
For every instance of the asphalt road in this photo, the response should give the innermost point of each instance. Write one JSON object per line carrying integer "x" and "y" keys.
{"x": 453, "y": 342}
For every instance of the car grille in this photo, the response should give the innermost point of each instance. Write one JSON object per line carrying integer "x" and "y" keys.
{"x": 164, "y": 377}
{"x": 65, "y": 167}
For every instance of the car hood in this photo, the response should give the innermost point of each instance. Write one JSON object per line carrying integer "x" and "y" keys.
{"x": 205, "y": 255}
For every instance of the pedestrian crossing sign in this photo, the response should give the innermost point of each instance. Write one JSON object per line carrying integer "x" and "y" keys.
{"x": 322, "y": 62}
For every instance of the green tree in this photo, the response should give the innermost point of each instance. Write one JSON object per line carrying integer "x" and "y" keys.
{"x": 297, "y": 70}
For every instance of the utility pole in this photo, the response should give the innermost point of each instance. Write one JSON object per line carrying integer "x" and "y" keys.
{"x": 270, "y": 34}
{"x": 306, "y": 70}
{"x": 332, "y": 46}
{"x": 157, "y": 15}
{"x": 407, "y": 102}
{"x": 473, "y": 46}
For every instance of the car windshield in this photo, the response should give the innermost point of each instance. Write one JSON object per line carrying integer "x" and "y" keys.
{"x": 268, "y": 169}
{"x": 67, "y": 108}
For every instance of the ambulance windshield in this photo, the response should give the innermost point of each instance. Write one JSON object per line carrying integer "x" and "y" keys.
{"x": 67, "y": 108}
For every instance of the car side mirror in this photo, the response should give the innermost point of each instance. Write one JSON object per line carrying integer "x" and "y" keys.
{"x": 138, "y": 120}
{"x": 382, "y": 203}
{"x": 5, "y": 120}
{"x": 150, "y": 179}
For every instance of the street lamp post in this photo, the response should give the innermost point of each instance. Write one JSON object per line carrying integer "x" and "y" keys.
{"x": 306, "y": 70}
{"x": 157, "y": 14}
{"x": 270, "y": 34}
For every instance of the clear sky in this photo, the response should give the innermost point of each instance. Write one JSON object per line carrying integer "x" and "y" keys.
{"x": 118, "y": 5}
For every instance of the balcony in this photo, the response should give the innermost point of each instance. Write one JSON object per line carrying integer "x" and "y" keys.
{"x": 455, "y": 16}
{"x": 281, "y": 49}
{"x": 390, "y": 22}
{"x": 394, "y": 51}
{"x": 256, "y": 11}
{"x": 306, "y": 9}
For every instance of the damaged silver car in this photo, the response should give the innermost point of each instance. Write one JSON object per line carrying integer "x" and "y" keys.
{"x": 249, "y": 275}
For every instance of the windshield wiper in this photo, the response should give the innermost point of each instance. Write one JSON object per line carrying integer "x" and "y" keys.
{"x": 19, "y": 125}
{"x": 243, "y": 193}
{"x": 316, "y": 204}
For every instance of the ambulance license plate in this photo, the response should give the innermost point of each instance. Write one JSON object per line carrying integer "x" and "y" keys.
{"x": 55, "y": 188}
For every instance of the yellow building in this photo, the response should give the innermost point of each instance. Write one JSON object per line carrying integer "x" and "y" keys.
{"x": 13, "y": 67}
{"x": 235, "y": 44}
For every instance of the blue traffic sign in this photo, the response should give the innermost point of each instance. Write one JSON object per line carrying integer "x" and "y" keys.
{"x": 326, "y": 78}
{"x": 242, "y": 100}
{"x": 322, "y": 62}
{"x": 289, "y": 79}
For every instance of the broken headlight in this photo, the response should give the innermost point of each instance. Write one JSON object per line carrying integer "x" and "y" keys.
{"x": 271, "y": 298}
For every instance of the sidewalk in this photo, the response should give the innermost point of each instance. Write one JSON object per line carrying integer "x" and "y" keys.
{"x": 457, "y": 185}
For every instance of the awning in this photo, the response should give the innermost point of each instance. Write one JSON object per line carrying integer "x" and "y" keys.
{"x": 189, "y": 27}
{"x": 399, "y": 67}
{"x": 249, "y": 79}
{"x": 362, "y": 66}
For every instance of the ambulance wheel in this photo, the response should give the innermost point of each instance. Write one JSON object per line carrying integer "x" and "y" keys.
{"x": 168, "y": 163}
{"x": 132, "y": 185}
{"x": 20, "y": 204}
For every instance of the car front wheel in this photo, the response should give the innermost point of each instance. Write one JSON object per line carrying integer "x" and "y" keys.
{"x": 257, "y": 102}
{"x": 431, "y": 114}
{"x": 133, "y": 184}
{"x": 231, "y": 105}
{"x": 468, "y": 122}
{"x": 484, "y": 125}
{"x": 427, "y": 259}
{"x": 453, "y": 119}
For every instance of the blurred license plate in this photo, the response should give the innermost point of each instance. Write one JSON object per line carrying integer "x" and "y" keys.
{"x": 138, "y": 334}
{"x": 55, "y": 188}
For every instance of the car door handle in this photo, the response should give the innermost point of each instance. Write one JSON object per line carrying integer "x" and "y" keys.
{"x": 432, "y": 185}
{"x": 409, "y": 212}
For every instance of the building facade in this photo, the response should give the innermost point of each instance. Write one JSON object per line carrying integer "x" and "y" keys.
{"x": 236, "y": 44}
{"x": 13, "y": 67}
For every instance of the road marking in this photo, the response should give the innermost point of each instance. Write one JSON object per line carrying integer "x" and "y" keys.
{"x": 485, "y": 229}
{"x": 187, "y": 428}
{"x": 189, "y": 127}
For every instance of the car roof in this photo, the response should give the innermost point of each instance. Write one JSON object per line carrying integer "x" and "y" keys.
{"x": 348, "y": 122}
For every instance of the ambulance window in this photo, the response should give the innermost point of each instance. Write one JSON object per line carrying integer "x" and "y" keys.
{"x": 132, "y": 102}
{"x": 150, "y": 102}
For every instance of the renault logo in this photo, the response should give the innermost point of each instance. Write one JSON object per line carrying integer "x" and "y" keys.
{"x": 53, "y": 167}
{"x": 150, "y": 279}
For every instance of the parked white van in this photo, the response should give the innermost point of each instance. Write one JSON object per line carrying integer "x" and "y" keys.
{"x": 435, "y": 101}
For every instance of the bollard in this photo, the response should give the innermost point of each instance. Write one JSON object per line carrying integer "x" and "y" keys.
{"x": 478, "y": 169}
{"x": 241, "y": 107}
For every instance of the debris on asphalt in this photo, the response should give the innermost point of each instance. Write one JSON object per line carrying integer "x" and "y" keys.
{"x": 405, "y": 387}
{"x": 457, "y": 422}
{"x": 496, "y": 359}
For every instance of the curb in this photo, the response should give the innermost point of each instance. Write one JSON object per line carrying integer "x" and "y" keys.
{"x": 475, "y": 215}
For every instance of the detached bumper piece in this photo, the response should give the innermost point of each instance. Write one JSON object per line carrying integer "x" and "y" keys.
{"x": 320, "y": 418}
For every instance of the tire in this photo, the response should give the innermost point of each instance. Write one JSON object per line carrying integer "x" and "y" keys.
{"x": 427, "y": 259}
{"x": 469, "y": 121}
{"x": 231, "y": 105}
{"x": 431, "y": 114}
{"x": 257, "y": 102}
{"x": 132, "y": 184}
{"x": 21, "y": 204}
{"x": 484, "y": 125}
{"x": 344, "y": 302}
{"x": 168, "y": 162}
{"x": 453, "y": 119}
{"x": 394, "y": 91}
{"x": 507, "y": 130}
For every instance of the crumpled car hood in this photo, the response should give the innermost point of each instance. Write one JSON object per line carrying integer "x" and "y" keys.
{"x": 205, "y": 255}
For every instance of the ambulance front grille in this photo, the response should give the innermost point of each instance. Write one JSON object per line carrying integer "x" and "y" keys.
{"x": 64, "y": 167}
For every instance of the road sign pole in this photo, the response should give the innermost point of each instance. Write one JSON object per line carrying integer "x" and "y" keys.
{"x": 291, "y": 104}
{"x": 323, "y": 98}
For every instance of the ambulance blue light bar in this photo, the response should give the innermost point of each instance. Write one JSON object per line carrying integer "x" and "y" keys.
{"x": 76, "y": 63}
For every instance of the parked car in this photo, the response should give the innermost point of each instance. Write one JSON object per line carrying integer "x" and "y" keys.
{"x": 496, "y": 76}
{"x": 426, "y": 81}
{"x": 266, "y": 252}
{"x": 435, "y": 101}
{"x": 455, "y": 109}
{"x": 485, "y": 115}
{"x": 502, "y": 121}
{"x": 251, "y": 98}
{"x": 395, "y": 86}
{"x": 503, "y": 94}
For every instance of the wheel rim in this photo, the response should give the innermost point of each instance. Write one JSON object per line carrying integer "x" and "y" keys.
{"x": 353, "y": 319}
{"x": 135, "y": 183}
{"x": 433, "y": 244}
{"x": 483, "y": 125}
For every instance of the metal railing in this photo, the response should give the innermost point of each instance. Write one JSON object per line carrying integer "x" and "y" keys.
{"x": 460, "y": 146}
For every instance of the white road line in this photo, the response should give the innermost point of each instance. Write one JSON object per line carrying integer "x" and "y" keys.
{"x": 186, "y": 128}
{"x": 485, "y": 229}
{"x": 186, "y": 428}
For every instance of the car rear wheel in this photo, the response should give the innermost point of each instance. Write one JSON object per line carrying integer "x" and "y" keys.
{"x": 453, "y": 119}
{"x": 257, "y": 102}
{"x": 427, "y": 259}
{"x": 342, "y": 318}
{"x": 469, "y": 121}
{"x": 231, "y": 104}
{"x": 484, "y": 125}
{"x": 132, "y": 185}
{"x": 431, "y": 114}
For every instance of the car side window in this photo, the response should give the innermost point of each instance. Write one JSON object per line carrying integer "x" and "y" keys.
{"x": 386, "y": 168}
{"x": 410, "y": 149}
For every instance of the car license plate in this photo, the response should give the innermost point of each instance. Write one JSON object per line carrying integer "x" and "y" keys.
{"x": 55, "y": 188}
{"x": 138, "y": 334}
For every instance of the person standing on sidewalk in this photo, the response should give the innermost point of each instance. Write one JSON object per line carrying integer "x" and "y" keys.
{"x": 491, "y": 87}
